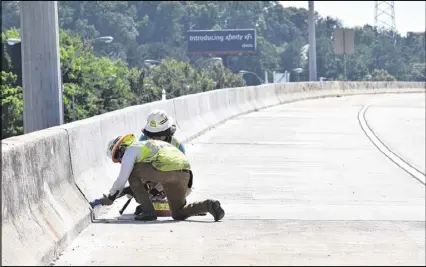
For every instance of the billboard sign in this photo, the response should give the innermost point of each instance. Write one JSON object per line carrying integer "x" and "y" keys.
{"x": 222, "y": 42}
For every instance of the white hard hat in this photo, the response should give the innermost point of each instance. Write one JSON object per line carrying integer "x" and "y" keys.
{"x": 158, "y": 121}
{"x": 116, "y": 142}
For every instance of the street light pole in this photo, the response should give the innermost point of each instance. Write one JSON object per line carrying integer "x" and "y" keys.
{"x": 298, "y": 71}
{"x": 41, "y": 71}
{"x": 157, "y": 62}
{"x": 312, "y": 43}
{"x": 104, "y": 39}
{"x": 13, "y": 41}
{"x": 210, "y": 60}
{"x": 213, "y": 59}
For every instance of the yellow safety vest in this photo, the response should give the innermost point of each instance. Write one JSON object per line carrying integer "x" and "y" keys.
{"x": 162, "y": 155}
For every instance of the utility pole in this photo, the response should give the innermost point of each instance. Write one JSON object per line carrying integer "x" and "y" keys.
{"x": 384, "y": 17}
{"x": 41, "y": 69}
{"x": 312, "y": 43}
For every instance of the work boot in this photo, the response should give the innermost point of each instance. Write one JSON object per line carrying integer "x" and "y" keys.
{"x": 146, "y": 216}
{"x": 216, "y": 210}
{"x": 138, "y": 210}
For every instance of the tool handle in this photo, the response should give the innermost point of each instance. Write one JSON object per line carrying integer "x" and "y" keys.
{"x": 126, "y": 191}
{"x": 125, "y": 206}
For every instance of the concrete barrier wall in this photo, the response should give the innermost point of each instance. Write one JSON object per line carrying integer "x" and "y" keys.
{"x": 93, "y": 171}
{"x": 42, "y": 209}
{"x": 298, "y": 91}
{"x": 49, "y": 176}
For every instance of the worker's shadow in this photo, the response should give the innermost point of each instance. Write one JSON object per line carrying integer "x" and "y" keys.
{"x": 129, "y": 219}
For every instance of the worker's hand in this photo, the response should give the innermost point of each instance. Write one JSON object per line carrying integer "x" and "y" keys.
{"x": 107, "y": 200}
{"x": 96, "y": 202}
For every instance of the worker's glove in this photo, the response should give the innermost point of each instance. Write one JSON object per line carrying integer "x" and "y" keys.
{"x": 107, "y": 200}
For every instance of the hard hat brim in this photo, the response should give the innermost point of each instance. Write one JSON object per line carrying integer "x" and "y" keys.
{"x": 116, "y": 147}
{"x": 169, "y": 124}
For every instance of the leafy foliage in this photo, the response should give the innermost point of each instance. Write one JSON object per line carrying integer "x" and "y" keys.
{"x": 12, "y": 106}
{"x": 105, "y": 77}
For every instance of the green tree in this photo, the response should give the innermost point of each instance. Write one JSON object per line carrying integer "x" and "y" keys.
{"x": 381, "y": 75}
{"x": 97, "y": 84}
{"x": 221, "y": 76}
{"x": 157, "y": 30}
{"x": 418, "y": 72}
{"x": 177, "y": 78}
{"x": 12, "y": 106}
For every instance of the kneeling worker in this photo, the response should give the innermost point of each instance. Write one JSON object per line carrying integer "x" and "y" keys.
{"x": 159, "y": 126}
{"x": 159, "y": 162}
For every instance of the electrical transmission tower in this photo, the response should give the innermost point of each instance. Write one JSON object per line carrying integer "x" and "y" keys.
{"x": 384, "y": 16}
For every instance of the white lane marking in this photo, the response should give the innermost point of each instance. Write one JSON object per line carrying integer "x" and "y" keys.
{"x": 416, "y": 174}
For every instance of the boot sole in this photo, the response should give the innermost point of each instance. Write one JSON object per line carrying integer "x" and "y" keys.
{"x": 137, "y": 211}
{"x": 219, "y": 213}
{"x": 145, "y": 218}
{"x": 140, "y": 211}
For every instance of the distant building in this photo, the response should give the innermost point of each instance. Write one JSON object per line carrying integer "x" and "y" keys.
{"x": 413, "y": 34}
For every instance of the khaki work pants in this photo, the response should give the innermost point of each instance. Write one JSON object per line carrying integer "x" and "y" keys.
{"x": 175, "y": 185}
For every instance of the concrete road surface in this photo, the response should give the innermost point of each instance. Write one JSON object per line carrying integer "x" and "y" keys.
{"x": 301, "y": 184}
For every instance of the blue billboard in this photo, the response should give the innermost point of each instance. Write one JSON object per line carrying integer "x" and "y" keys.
{"x": 222, "y": 42}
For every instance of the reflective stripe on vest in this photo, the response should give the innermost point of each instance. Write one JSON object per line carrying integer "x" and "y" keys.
{"x": 149, "y": 149}
{"x": 163, "y": 156}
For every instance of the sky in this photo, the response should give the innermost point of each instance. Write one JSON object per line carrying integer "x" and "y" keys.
{"x": 409, "y": 15}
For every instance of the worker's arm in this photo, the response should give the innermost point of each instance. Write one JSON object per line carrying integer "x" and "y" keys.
{"x": 179, "y": 145}
{"x": 127, "y": 162}
{"x": 182, "y": 148}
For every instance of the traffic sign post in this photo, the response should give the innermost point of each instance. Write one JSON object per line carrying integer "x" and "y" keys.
{"x": 344, "y": 43}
